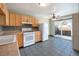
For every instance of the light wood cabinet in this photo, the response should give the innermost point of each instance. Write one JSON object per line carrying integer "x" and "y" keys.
{"x": 18, "y": 20}
{"x": 20, "y": 39}
{"x": 7, "y": 17}
{"x": 37, "y": 36}
{"x": 12, "y": 19}
{"x": 4, "y": 12}
{"x": 2, "y": 20}
{"x": 3, "y": 8}
{"x": 0, "y": 5}
{"x": 29, "y": 20}
{"x": 24, "y": 19}
{"x": 34, "y": 22}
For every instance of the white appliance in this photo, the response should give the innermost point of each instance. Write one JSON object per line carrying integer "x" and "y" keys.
{"x": 44, "y": 30}
{"x": 29, "y": 38}
{"x": 26, "y": 27}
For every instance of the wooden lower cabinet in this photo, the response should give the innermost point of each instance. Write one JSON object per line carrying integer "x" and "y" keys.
{"x": 20, "y": 39}
{"x": 37, "y": 36}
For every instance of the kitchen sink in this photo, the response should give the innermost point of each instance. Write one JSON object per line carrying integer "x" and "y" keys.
{"x": 6, "y": 39}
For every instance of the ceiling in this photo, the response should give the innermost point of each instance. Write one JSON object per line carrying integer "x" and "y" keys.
{"x": 34, "y": 9}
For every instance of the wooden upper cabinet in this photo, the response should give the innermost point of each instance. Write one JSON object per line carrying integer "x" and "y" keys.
{"x": 2, "y": 20}
{"x": 34, "y": 22}
{"x": 12, "y": 19}
{"x": 15, "y": 19}
{"x": 18, "y": 20}
{"x": 4, "y": 12}
{"x": 3, "y": 8}
{"x": 7, "y": 17}
{"x": 29, "y": 19}
{"x": 0, "y": 5}
{"x": 24, "y": 19}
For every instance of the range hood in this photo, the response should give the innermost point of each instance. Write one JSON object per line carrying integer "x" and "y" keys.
{"x": 26, "y": 23}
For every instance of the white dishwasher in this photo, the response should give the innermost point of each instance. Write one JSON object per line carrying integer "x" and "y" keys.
{"x": 28, "y": 38}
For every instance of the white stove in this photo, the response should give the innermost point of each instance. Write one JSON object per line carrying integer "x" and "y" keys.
{"x": 28, "y": 38}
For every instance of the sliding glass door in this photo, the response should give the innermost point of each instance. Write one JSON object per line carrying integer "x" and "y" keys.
{"x": 63, "y": 27}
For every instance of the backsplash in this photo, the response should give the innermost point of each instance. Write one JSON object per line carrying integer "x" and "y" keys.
{"x": 9, "y": 28}
{"x": 0, "y": 28}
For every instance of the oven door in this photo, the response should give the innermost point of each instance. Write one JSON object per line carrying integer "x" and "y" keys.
{"x": 29, "y": 39}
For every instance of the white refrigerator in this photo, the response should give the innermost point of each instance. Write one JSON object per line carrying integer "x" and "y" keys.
{"x": 44, "y": 30}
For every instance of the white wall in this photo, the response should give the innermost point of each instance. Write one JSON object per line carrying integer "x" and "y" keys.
{"x": 51, "y": 28}
{"x": 43, "y": 20}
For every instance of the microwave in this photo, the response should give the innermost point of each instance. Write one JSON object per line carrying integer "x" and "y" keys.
{"x": 26, "y": 27}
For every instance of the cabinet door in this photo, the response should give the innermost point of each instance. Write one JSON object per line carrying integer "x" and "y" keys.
{"x": 12, "y": 19}
{"x": 24, "y": 19}
{"x": 0, "y": 5}
{"x": 29, "y": 20}
{"x": 37, "y": 36}
{"x": 20, "y": 39}
{"x": 18, "y": 20}
{"x": 2, "y": 9}
{"x": 36, "y": 22}
{"x": 2, "y": 20}
{"x": 7, "y": 17}
{"x": 33, "y": 22}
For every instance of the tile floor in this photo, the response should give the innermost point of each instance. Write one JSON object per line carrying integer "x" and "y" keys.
{"x": 55, "y": 46}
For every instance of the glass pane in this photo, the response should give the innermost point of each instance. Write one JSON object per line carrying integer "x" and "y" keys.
{"x": 67, "y": 27}
{"x": 58, "y": 26}
{"x": 63, "y": 27}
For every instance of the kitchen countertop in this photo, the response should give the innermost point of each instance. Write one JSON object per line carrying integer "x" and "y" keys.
{"x": 3, "y": 33}
{"x": 10, "y": 49}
